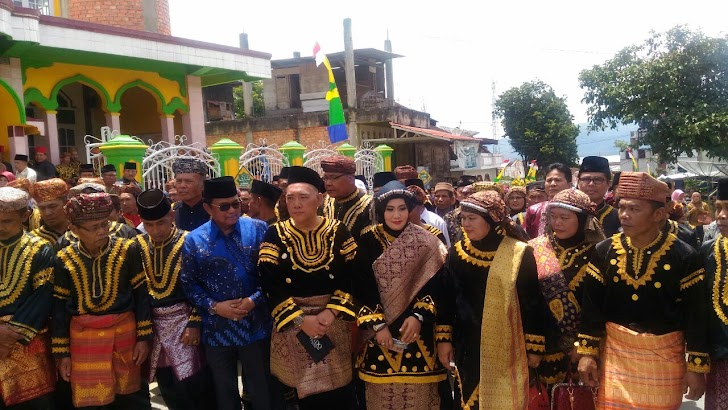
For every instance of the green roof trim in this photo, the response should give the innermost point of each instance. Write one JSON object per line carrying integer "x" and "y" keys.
{"x": 18, "y": 102}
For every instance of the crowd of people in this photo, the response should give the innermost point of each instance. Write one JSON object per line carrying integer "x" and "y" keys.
{"x": 320, "y": 295}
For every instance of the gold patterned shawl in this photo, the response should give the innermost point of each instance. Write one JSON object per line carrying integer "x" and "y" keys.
{"x": 503, "y": 362}
{"x": 405, "y": 267}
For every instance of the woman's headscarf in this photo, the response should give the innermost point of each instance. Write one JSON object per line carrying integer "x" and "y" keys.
{"x": 676, "y": 195}
{"x": 490, "y": 206}
{"x": 579, "y": 203}
{"x": 391, "y": 190}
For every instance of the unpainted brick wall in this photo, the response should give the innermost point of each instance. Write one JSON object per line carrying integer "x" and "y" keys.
{"x": 119, "y": 13}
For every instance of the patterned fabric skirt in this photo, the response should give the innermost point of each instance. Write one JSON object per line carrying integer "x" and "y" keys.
{"x": 293, "y": 366}
{"x": 641, "y": 371}
{"x": 169, "y": 324}
{"x": 28, "y": 372}
{"x": 716, "y": 391}
{"x": 102, "y": 366}
{"x": 399, "y": 396}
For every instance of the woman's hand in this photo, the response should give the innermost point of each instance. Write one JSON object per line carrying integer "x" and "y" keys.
{"x": 312, "y": 327}
{"x": 446, "y": 354}
{"x": 384, "y": 337}
{"x": 410, "y": 329}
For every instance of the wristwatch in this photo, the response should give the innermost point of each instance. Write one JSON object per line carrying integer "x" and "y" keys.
{"x": 298, "y": 321}
{"x": 419, "y": 317}
{"x": 213, "y": 308}
{"x": 378, "y": 327}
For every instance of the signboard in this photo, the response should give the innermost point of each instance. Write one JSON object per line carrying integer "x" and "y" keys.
{"x": 245, "y": 178}
{"x": 424, "y": 176}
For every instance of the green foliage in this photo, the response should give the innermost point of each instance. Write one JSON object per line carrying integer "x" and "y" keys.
{"x": 538, "y": 124}
{"x": 674, "y": 86}
{"x": 258, "y": 102}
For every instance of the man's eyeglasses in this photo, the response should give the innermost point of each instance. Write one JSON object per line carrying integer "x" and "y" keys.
{"x": 327, "y": 178}
{"x": 592, "y": 180}
{"x": 224, "y": 207}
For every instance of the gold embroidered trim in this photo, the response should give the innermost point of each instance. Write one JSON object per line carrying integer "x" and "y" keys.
{"x": 348, "y": 249}
{"x": 61, "y": 293}
{"x": 578, "y": 278}
{"x": 470, "y": 254}
{"x": 309, "y": 251}
{"x": 692, "y": 279}
{"x": 718, "y": 295}
{"x": 47, "y": 234}
{"x": 366, "y": 315}
{"x": 443, "y": 333}
{"x": 349, "y": 217}
{"x": 644, "y": 271}
{"x": 162, "y": 268}
{"x": 605, "y": 212}
{"x": 592, "y": 271}
{"x": 426, "y": 303}
{"x": 43, "y": 277}
{"x": 269, "y": 253}
{"x": 16, "y": 261}
{"x": 433, "y": 230}
{"x": 698, "y": 362}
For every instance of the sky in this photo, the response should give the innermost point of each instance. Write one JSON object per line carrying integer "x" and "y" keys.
{"x": 453, "y": 51}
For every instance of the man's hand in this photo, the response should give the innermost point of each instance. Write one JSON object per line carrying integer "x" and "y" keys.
{"x": 8, "y": 335}
{"x": 326, "y": 318}
{"x": 410, "y": 329}
{"x": 446, "y": 354}
{"x": 534, "y": 360}
{"x": 231, "y": 309}
{"x": 693, "y": 385}
{"x": 190, "y": 337}
{"x": 384, "y": 337}
{"x": 589, "y": 371}
{"x": 64, "y": 368}
{"x": 247, "y": 304}
{"x": 312, "y": 327}
{"x": 141, "y": 351}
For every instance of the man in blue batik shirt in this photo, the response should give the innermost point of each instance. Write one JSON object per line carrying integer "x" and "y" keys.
{"x": 220, "y": 278}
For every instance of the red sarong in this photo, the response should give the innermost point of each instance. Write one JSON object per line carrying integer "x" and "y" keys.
{"x": 28, "y": 373}
{"x": 101, "y": 358}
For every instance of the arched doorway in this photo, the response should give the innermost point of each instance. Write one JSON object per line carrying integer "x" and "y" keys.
{"x": 80, "y": 112}
{"x": 140, "y": 114}
{"x": 12, "y": 112}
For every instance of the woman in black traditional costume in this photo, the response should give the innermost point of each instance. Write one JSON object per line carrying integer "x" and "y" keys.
{"x": 491, "y": 326}
{"x": 399, "y": 294}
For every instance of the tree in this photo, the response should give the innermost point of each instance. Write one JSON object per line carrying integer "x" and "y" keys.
{"x": 674, "y": 86}
{"x": 258, "y": 102}
{"x": 538, "y": 124}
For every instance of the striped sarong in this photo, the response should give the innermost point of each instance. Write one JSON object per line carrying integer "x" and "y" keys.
{"x": 101, "y": 358}
{"x": 28, "y": 372}
{"x": 641, "y": 370}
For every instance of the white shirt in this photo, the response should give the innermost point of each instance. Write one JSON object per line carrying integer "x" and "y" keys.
{"x": 435, "y": 220}
{"x": 27, "y": 173}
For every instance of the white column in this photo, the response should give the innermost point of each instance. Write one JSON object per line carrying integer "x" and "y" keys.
{"x": 193, "y": 122}
{"x": 17, "y": 140}
{"x": 51, "y": 124}
{"x": 113, "y": 121}
{"x": 168, "y": 128}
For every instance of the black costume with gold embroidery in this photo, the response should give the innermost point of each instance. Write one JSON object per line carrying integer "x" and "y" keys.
{"x": 460, "y": 318}
{"x": 608, "y": 217}
{"x": 431, "y": 229}
{"x": 419, "y": 363}
{"x": 113, "y": 282}
{"x": 574, "y": 255}
{"x": 657, "y": 289}
{"x": 715, "y": 255}
{"x": 352, "y": 211}
{"x": 683, "y": 232}
{"x": 162, "y": 264}
{"x": 26, "y": 289}
{"x": 60, "y": 241}
{"x": 296, "y": 263}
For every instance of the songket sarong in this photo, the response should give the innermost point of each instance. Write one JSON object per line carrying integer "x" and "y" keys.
{"x": 102, "y": 366}
{"x": 716, "y": 390}
{"x": 169, "y": 324}
{"x": 397, "y": 396}
{"x": 292, "y": 365}
{"x": 28, "y": 372}
{"x": 641, "y": 370}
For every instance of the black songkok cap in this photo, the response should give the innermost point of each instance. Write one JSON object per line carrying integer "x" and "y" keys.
{"x": 130, "y": 165}
{"x": 266, "y": 190}
{"x": 305, "y": 175}
{"x": 285, "y": 171}
{"x": 21, "y": 157}
{"x": 222, "y": 187}
{"x": 596, "y": 164}
{"x": 108, "y": 168}
{"x": 86, "y": 168}
{"x": 381, "y": 179}
{"x": 416, "y": 182}
{"x": 276, "y": 178}
{"x": 722, "y": 189}
{"x": 153, "y": 204}
{"x": 189, "y": 166}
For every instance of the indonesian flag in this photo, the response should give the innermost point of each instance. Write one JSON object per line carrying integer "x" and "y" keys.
{"x": 337, "y": 121}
